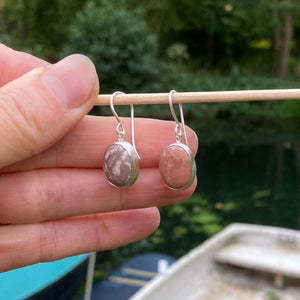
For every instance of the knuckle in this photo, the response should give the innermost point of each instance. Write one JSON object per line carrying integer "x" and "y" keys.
{"x": 38, "y": 197}
{"x": 16, "y": 121}
{"x": 47, "y": 243}
{"x": 123, "y": 196}
{"x": 47, "y": 195}
{"x": 100, "y": 232}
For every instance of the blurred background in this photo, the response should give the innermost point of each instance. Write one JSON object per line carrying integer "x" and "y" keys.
{"x": 249, "y": 153}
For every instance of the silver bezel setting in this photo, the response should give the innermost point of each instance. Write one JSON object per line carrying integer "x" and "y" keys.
{"x": 134, "y": 161}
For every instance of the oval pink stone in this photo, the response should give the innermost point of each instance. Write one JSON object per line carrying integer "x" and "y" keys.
{"x": 175, "y": 167}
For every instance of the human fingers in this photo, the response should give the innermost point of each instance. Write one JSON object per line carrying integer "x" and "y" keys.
{"x": 35, "y": 196}
{"x": 84, "y": 146}
{"x": 39, "y": 108}
{"x": 22, "y": 245}
{"x": 14, "y": 64}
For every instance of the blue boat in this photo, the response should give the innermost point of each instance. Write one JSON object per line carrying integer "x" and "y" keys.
{"x": 60, "y": 280}
{"x": 53, "y": 280}
{"x": 128, "y": 278}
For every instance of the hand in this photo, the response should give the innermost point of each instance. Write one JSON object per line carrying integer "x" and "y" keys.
{"x": 54, "y": 198}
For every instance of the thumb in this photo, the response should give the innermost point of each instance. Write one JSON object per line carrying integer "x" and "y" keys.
{"x": 39, "y": 108}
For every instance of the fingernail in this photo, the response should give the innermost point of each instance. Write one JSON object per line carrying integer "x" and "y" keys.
{"x": 71, "y": 80}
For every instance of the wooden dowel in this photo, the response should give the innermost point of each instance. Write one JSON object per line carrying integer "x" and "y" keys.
{"x": 195, "y": 97}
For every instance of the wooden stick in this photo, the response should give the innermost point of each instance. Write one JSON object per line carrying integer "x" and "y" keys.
{"x": 195, "y": 97}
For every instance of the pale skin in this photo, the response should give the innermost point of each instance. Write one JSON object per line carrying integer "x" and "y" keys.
{"x": 54, "y": 198}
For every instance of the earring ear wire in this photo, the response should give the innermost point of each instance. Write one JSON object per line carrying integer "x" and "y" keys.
{"x": 132, "y": 130}
{"x": 178, "y": 130}
{"x": 177, "y": 164}
{"x": 120, "y": 163}
{"x": 120, "y": 128}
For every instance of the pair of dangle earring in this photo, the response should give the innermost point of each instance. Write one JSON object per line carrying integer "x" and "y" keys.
{"x": 121, "y": 159}
{"x": 177, "y": 164}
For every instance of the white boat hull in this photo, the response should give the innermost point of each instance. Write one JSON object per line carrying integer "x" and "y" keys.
{"x": 241, "y": 262}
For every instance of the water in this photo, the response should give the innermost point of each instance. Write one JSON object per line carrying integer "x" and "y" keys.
{"x": 261, "y": 182}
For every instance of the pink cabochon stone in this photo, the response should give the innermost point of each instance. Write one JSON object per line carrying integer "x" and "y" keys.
{"x": 175, "y": 167}
{"x": 117, "y": 165}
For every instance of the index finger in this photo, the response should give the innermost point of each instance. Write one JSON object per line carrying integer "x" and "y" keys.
{"x": 14, "y": 64}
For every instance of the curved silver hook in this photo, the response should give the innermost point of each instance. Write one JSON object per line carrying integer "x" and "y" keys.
{"x": 132, "y": 131}
{"x": 120, "y": 128}
{"x": 178, "y": 131}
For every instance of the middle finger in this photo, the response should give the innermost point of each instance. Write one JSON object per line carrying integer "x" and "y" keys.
{"x": 45, "y": 194}
{"x": 84, "y": 146}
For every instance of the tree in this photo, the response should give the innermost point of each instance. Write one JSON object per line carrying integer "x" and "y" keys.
{"x": 119, "y": 43}
{"x": 283, "y": 35}
{"x": 37, "y": 26}
{"x": 216, "y": 32}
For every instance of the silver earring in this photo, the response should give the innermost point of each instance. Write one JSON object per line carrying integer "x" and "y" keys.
{"x": 121, "y": 160}
{"x": 177, "y": 164}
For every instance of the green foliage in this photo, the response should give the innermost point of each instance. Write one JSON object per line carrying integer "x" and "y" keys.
{"x": 186, "y": 223}
{"x": 120, "y": 44}
{"x": 37, "y": 26}
{"x": 215, "y": 32}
